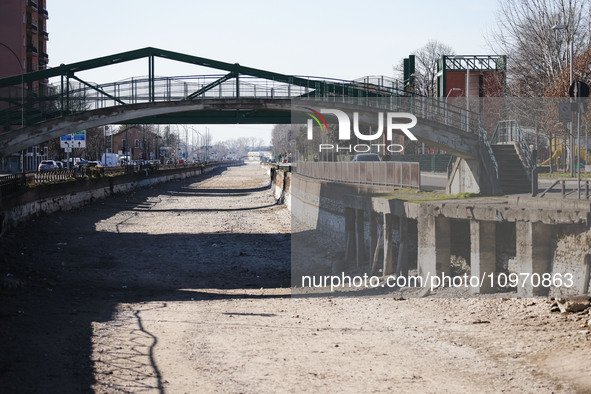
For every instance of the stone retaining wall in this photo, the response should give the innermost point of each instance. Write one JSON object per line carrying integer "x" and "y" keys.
{"x": 49, "y": 198}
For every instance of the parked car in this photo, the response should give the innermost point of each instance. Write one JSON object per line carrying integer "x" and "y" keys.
{"x": 48, "y": 165}
{"x": 366, "y": 157}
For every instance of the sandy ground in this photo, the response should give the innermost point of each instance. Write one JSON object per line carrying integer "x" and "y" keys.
{"x": 184, "y": 288}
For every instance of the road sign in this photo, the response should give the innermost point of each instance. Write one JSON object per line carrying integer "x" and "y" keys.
{"x": 564, "y": 112}
{"x": 66, "y": 141}
{"x": 79, "y": 139}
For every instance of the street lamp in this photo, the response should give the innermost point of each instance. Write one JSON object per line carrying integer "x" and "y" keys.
{"x": 22, "y": 67}
{"x": 452, "y": 90}
{"x": 562, "y": 26}
{"x": 199, "y": 140}
{"x": 446, "y": 97}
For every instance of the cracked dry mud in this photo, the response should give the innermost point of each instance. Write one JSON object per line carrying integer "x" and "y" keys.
{"x": 184, "y": 287}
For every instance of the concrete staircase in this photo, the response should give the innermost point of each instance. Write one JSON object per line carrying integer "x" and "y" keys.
{"x": 513, "y": 176}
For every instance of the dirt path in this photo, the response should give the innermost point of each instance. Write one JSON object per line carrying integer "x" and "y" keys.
{"x": 184, "y": 287}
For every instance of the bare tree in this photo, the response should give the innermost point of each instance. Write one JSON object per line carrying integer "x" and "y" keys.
{"x": 536, "y": 52}
{"x": 280, "y": 136}
{"x": 169, "y": 138}
{"x": 425, "y": 76}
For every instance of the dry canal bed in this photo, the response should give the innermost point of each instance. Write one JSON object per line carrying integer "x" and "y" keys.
{"x": 184, "y": 287}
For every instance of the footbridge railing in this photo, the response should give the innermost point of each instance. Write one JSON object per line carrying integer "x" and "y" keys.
{"x": 510, "y": 131}
{"x": 61, "y": 91}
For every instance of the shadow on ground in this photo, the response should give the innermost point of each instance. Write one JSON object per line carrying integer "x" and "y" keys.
{"x": 61, "y": 275}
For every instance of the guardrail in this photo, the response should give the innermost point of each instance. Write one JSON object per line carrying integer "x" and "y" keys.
{"x": 14, "y": 183}
{"x": 382, "y": 173}
{"x": 566, "y": 191}
{"x": 11, "y": 184}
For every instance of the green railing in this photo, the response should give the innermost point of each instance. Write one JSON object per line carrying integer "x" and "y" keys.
{"x": 488, "y": 147}
{"x": 510, "y": 131}
{"x": 73, "y": 96}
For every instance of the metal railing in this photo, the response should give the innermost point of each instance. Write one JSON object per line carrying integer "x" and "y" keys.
{"x": 97, "y": 172}
{"x": 384, "y": 173}
{"x": 509, "y": 131}
{"x": 68, "y": 96}
{"x": 488, "y": 147}
{"x": 11, "y": 184}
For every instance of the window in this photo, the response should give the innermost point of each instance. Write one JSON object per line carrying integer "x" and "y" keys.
{"x": 137, "y": 143}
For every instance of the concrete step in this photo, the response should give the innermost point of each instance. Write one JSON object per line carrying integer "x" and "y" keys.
{"x": 512, "y": 176}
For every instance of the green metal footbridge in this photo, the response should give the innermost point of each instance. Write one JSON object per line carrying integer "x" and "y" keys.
{"x": 57, "y": 101}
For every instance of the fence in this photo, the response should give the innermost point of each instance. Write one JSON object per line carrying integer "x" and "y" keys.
{"x": 382, "y": 173}
{"x": 11, "y": 184}
{"x": 14, "y": 183}
{"x": 84, "y": 172}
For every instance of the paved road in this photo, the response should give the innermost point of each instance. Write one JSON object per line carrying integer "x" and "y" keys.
{"x": 433, "y": 180}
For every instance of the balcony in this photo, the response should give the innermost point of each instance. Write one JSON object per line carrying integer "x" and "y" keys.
{"x": 43, "y": 13}
{"x": 32, "y": 5}
{"x": 44, "y": 35}
{"x": 31, "y": 48}
{"x": 32, "y": 28}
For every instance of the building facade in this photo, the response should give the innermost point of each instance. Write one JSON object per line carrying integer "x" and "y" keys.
{"x": 23, "y": 38}
{"x": 474, "y": 82}
{"x": 23, "y": 48}
{"x": 137, "y": 143}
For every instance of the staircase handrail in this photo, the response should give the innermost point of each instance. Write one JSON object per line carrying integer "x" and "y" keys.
{"x": 487, "y": 145}
{"x": 502, "y": 135}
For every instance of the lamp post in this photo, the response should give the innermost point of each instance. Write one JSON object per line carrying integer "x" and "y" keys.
{"x": 199, "y": 139}
{"x": 22, "y": 67}
{"x": 562, "y": 26}
{"x": 207, "y": 139}
{"x": 452, "y": 90}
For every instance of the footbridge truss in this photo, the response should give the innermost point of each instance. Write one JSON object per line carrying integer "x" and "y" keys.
{"x": 45, "y": 104}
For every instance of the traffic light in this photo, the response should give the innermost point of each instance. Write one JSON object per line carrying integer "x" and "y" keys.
{"x": 41, "y": 150}
{"x": 123, "y": 149}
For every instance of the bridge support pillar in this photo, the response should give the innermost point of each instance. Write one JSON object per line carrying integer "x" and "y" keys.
{"x": 350, "y": 235}
{"x": 402, "y": 261}
{"x": 534, "y": 256}
{"x": 483, "y": 253}
{"x": 434, "y": 244}
{"x": 388, "y": 267}
{"x": 359, "y": 237}
{"x": 465, "y": 177}
{"x": 373, "y": 238}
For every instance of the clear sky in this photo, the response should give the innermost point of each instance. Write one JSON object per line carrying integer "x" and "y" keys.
{"x": 336, "y": 39}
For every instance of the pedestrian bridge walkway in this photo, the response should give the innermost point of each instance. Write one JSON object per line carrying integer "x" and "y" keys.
{"x": 58, "y": 101}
